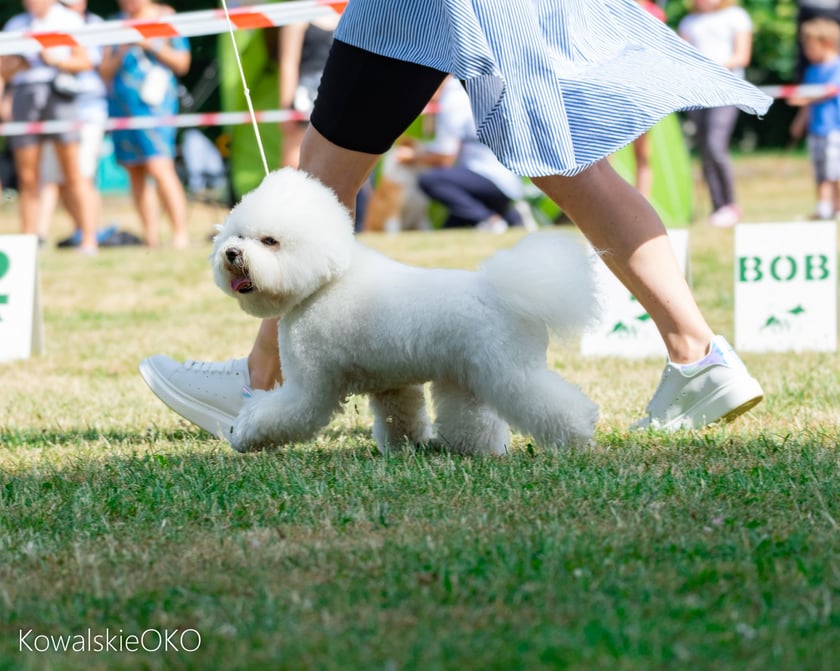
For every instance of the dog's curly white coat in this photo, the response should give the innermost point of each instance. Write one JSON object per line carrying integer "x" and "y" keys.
{"x": 354, "y": 321}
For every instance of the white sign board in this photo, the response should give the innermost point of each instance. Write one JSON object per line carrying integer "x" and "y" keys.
{"x": 786, "y": 287}
{"x": 21, "y": 328}
{"x": 625, "y": 329}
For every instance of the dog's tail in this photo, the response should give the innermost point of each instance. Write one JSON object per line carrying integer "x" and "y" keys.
{"x": 546, "y": 277}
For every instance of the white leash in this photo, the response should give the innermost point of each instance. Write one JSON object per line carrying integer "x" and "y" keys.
{"x": 245, "y": 89}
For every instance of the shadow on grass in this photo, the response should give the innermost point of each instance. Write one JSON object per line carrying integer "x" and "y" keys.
{"x": 44, "y": 438}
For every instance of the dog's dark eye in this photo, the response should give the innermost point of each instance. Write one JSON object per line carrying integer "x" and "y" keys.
{"x": 268, "y": 241}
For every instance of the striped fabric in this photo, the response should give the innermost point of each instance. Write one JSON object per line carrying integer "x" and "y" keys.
{"x": 555, "y": 85}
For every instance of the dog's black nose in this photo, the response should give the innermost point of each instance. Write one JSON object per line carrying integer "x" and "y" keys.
{"x": 233, "y": 254}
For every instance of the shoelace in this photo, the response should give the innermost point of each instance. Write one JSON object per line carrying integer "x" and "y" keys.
{"x": 213, "y": 367}
{"x": 219, "y": 368}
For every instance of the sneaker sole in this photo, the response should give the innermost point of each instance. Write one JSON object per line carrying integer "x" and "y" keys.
{"x": 723, "y": 406}
{"x": 202, "y": 415}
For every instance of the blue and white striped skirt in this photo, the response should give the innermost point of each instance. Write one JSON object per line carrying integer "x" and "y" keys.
{"x": 555, "y": 85}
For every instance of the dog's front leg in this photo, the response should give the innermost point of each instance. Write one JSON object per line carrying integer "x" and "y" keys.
{"x": 281, "y": 416}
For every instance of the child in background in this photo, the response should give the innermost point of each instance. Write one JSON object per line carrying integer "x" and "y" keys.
{"x": 820, "y": 40}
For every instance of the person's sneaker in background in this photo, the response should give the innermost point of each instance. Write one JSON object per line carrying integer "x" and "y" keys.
{"x": 726, "y": 216}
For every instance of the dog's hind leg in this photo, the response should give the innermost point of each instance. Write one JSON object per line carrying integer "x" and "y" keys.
{"x": 400, "y": 416}
{"x": 465, "y": 424}
{"x": 543, "y": 405}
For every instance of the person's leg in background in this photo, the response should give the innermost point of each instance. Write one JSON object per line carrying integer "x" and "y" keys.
{"x": 172, "y": 196}
{"x": 91, "y": 136}
{"x": 714, "y": 129}
{"x": 54, "y": 189}
{"x": 292, "y": 132}
{"x": 700, "y": 119}
{"x": 78, "y": 194}
{"x": 50, "y": 178}
{"x": 27, "y": 156}
{"x": 644, "y": 172}
{"x": 818, "y": 150}
{"x": 28, "y": 104}
{"x": 469, "y": 198}
{"x": 145, "y": 202}
{"x": 832, "y": 173}
{"x": 720, "y": 126}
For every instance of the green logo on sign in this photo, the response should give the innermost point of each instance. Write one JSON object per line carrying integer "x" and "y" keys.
{"x": 785, "y": 321}
{"x": 621, "y": 328}
{"x": 4, "y": 268}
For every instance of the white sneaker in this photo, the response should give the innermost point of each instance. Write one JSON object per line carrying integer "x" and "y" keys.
{"x": 726, "y": 216}
{"x": 208, "y": 394}
{"x": 529, "y": 222}
{"x": 495, "y": 225}
{"x": 690, "y": 396}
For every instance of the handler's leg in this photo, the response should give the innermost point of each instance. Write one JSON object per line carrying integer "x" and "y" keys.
{"x": 621, "y": 224}
{"x": 704, "y": 380}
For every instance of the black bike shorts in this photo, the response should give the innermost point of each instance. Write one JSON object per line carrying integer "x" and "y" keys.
{"x": 366, "y": 101}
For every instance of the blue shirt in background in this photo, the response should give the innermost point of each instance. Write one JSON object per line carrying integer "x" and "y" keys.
{"x": 825, "y": 115}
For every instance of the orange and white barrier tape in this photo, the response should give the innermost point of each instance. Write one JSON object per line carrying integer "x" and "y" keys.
{"x": 144, "y": 122}
{"x": 176, "y": 120}
{"x": 800, "y": 90}
{"x": 186, "y": 24}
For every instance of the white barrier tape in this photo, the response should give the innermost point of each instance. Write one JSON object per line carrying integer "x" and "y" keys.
{"x": 176, "y": 120}
{"x": 800, "y": 90}
{"x": 187, "y": 24}
{"x": 125, "y": 123}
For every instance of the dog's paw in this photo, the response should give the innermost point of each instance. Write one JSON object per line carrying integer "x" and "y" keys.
{"x": 248, "y": 433}
{"x": 242, "y": 439}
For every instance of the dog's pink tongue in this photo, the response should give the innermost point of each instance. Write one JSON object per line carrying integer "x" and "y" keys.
{"x": 239, "y": 283}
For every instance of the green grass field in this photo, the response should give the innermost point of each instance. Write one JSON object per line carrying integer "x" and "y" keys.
{"x": 716, "y": 550}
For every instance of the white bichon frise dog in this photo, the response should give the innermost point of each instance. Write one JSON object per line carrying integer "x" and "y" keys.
{"x": 353, "y": 321}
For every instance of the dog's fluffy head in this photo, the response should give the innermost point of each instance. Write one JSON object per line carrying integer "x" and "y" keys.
{"x": 284, "y": 241}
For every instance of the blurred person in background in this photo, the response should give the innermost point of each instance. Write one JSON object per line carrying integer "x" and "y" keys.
{"x": 721, "y": 31}
{"x": 5, "y": 115}
{"x": 92, "y": 108}
{"x": 44, "y": 87}
{"x": 462, "y": 173}
{"x": 807, "y": 10}
{"x": 141, "y": 82}
{"x": 302, "y": 52}
{"x": 820, "y": 116}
